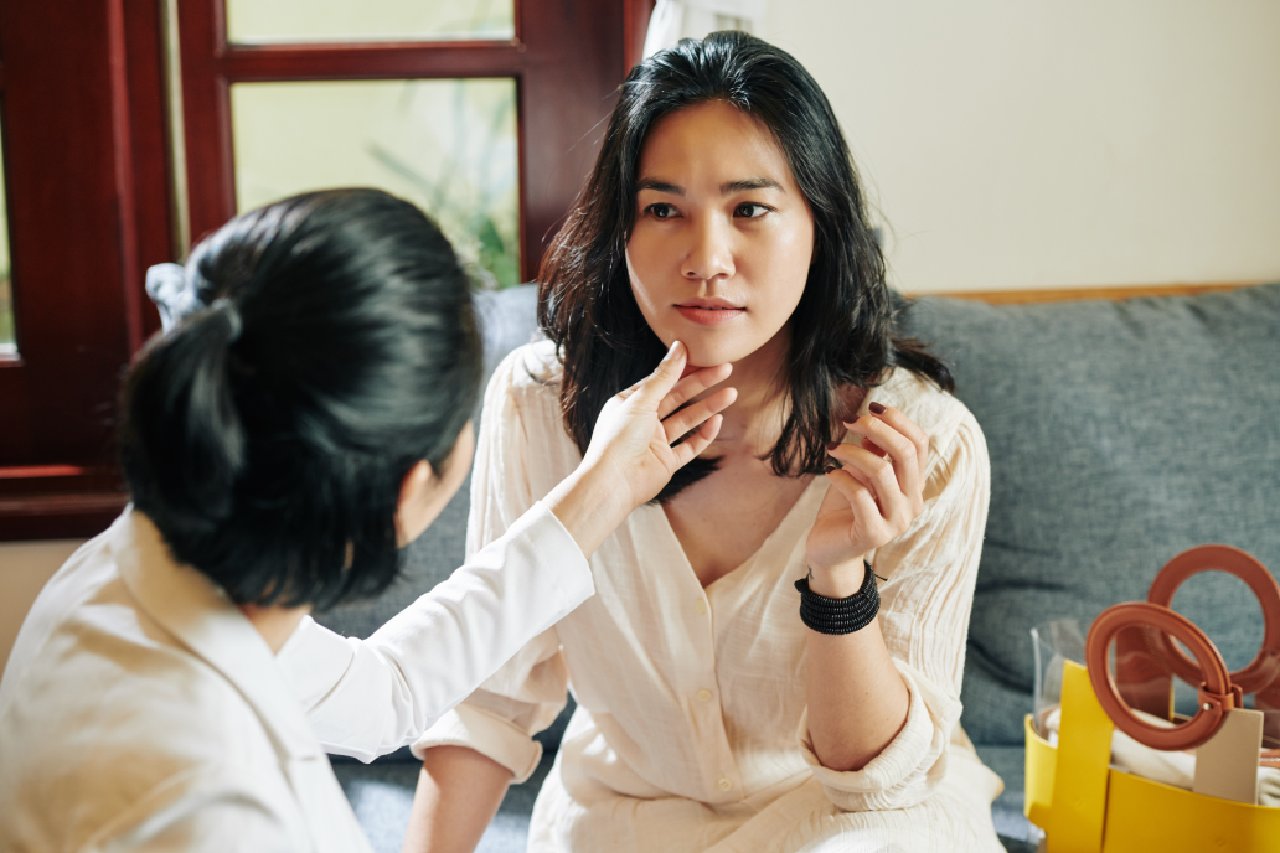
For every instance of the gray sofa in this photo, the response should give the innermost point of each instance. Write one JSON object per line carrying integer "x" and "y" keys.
{"x": 1120, "y": 433}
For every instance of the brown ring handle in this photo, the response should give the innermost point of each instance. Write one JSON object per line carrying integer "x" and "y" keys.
{"x": 1216, "y": 694}
{"x": 1265, "y": 667}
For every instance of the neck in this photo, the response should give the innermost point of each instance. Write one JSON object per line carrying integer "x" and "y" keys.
{"x": 752, "y": 424}
{"x": 275, "y": 624}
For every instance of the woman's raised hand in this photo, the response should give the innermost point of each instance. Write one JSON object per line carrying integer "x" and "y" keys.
{"x": 647, "y": 432}
{"x": 876, "y": 492}
{"x": 643, "y": 435}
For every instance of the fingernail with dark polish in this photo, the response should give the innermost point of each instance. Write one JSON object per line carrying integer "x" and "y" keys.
{"x": 876, "y": 408}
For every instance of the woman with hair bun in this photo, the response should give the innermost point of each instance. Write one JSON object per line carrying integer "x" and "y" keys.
{"x": 304, "y": 417}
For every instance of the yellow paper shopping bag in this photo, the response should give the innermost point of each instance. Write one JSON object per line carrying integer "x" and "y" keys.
{"x": 1086, "y": 806}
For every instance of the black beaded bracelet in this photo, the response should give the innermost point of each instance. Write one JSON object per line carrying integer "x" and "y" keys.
{"x": 840, "y": 615}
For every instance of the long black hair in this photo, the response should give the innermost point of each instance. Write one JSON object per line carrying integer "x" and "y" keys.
{"x": 333, "y": 346}
{"x": 842, "y": 329}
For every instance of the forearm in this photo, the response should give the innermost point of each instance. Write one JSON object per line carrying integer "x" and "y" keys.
{"x": 589, "y": 506}
{"x": 857, "y": 700}
{"x": 459, "y": 791}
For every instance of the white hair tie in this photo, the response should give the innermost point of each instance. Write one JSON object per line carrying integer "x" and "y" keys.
{"x": 172, "y": 292}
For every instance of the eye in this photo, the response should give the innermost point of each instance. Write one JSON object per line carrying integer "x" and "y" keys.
{"x": 660, "y": 210}
{"x": 751, "y": 210}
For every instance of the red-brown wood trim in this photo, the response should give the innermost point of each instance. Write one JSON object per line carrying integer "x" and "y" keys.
{"x": 122, "y": 160}
{"x": 71, "y": 515}
{"x": 59, "y": 501}
{"x": 60, "y": 180}
{"x": 568, "y": 64}
{"x": 563, "y": 106}
{"x": 90, "y": 171}
{"x": 1029, "y": 296}
{"x": 374, "y": 60}
{"x": 206, "y": 117}
{"x": 636, "y": 14}
{"x": 154, "y": 223}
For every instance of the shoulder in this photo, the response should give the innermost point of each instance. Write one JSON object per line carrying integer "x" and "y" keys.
{"x": 952, "y": 428}
{"x": 530, "y": 371}
{"x": 522, "y": 409}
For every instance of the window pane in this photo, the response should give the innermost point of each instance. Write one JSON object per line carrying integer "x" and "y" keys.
{"x": 7, "y": 346}
{"x": 447, "y": 145}
{"x": 256, "y": 21}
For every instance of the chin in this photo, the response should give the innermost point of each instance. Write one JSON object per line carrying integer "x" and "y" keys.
{"x": 704, "y": 353}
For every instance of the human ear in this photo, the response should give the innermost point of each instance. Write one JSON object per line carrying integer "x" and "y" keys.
{"x": 412, "y": 508}
{"x": 424, "y": 491}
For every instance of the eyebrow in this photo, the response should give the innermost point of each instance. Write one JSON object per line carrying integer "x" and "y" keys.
{"x": 727, "y": 188}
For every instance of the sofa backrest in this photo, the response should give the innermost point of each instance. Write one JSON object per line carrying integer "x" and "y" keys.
{"x": 1120, "y": 433}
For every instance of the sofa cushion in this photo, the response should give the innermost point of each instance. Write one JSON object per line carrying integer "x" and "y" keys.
{"x": 1121, "y": 432}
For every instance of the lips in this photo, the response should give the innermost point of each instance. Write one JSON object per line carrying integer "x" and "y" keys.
{"x": 710, "y": 304}
{"x": 710, "y": 312}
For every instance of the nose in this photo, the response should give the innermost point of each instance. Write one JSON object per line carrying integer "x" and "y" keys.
{"x": 710, "y": 252}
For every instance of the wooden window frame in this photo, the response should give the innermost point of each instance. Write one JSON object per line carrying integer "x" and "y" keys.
{"x": 87, "y": 184}
{"x": 570, "y": 96}
{"x": 89, "y": 179}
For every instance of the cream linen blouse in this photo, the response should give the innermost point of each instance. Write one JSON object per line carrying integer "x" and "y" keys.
{"x": 690, "y": 731}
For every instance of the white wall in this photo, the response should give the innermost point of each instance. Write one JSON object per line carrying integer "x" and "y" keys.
{"x": 1015, "y": 144}
{"x": 24, "y": 568}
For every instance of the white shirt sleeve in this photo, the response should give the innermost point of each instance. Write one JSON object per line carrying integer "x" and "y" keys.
{"x": 369, "y": 697}
{"x": 925, "y": 611}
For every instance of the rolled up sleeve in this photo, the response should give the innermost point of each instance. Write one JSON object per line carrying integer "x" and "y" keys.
{"x": 906, "y": 770}
{"x": 487, "y": 734}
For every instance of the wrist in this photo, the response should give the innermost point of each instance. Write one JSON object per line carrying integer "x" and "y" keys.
{"x": 604, "y": 489}
{"x": 838, "y": 581}
{"x": 590, "y": 506}
{"x": 843, "y": 614}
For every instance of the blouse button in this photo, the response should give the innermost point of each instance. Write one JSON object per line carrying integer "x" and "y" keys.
{"x": 725, "y": 784}
{"x": 704, "y": 695}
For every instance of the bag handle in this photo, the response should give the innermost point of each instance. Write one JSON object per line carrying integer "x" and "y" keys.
{"x": 1146, "y": 661}
{"x": 1217, "y": 694}
{"x": 1264, "y": 670}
